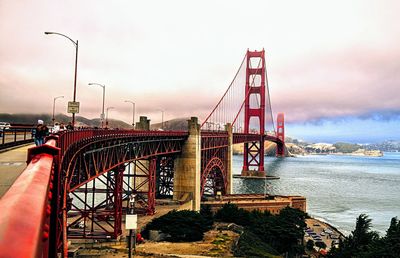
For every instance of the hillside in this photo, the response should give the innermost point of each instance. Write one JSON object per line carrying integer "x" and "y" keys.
{"x": 178, "y": 124}
{"x": 80, "y": 120}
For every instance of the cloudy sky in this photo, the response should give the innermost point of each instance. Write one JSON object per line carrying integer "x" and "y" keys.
{"x": 333, "y": 66}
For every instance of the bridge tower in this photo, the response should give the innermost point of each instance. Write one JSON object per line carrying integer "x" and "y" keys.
{"x": 253, "y": 163}
{"x": 280, "y": 133}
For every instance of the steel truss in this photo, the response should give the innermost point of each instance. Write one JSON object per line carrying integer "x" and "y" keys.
{"x": 165, "y": 177}
{"x": 95, "y": 208}
{"x": 91, "y": 163}
{"x": 214, "y": 151}
{"x": 140, "y": 181}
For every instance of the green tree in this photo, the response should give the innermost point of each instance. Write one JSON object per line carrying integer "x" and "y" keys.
{"x": 310, "y": 245}
{"x": 232, "y": 213}
{"x": 320, "y": 245}
{"x": 359, "y": 243}
{"x": 207, "y": 214}
{"x": 180, "y": 226}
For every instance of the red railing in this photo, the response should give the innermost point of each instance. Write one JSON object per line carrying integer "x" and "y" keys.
{"x": 25, "y": 208}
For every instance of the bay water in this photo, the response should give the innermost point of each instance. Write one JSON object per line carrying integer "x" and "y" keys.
{"x": 338, "y": 188}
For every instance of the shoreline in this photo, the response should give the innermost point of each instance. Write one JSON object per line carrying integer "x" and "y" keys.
{"x": 330, "y": 225}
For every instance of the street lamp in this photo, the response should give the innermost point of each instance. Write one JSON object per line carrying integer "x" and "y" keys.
{"x": 76, "y": 64}
{"x": 133, "y": 115}
{"x": 104, "y": 95}
{"x": 107, "y": 115}
{"x": 54, "y": 107}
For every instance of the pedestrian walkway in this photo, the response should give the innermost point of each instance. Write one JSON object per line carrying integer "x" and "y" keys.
{"x": 12, "y": 163}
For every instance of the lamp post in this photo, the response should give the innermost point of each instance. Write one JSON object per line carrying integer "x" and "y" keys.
{"x": 133, "y": 112}
{"x": 107, "y": 115}
{"x": 104, "y": 95}
{"x": 76, "y": 65}
{"x": 54, "y": 107}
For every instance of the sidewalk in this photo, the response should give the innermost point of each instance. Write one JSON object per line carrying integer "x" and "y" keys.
{"x": 12, "y": 163}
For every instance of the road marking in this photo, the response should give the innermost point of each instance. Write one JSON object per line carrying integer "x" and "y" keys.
{"x": 11, "y": 163}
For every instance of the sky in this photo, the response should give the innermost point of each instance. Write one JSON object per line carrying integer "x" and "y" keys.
{"x": 333, "y": 66}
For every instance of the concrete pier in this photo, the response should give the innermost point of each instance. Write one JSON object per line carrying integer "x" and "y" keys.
{"x": 187, "y": 168}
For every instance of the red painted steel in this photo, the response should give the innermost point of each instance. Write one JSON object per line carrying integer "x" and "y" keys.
{"x": 151, "y": 207}
{"x": 25, "y": 209}
{"x": 253, "y": 156}
{"x": 214, "y": 151}
{"x": 280, "y": 134}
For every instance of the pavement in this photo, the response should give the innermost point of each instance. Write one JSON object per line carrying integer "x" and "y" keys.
{"x": 12, "y": 164}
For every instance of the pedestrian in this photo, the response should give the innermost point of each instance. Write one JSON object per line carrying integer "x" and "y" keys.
{"x": 56, "y": 128}
{"x": 37, "y": 133}
{"x": 44, "y": 132}
{"x": 70, "y": 127}
{"x": 62, "y": 127}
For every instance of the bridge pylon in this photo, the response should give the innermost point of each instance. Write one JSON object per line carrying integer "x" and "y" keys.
{"x": 280, "y": 133}
{"x": 253, "y": 155}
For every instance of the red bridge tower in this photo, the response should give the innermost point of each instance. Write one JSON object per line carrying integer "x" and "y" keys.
{"x": 253, "y": 163}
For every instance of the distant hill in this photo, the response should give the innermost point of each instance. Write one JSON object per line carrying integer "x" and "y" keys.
{"x": 390, "y": 145}
{"x": 178, "y": 124}
{"x": 31, "y": 119}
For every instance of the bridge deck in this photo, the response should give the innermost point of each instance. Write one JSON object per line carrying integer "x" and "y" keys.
{"x": 12, "y": 163}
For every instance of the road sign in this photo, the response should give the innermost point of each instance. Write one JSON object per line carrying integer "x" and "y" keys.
{"x": 73, "y": 107}
{"x": 131, "y": 221}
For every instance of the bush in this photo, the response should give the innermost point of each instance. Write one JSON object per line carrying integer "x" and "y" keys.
{"x": 310, "y": 245}
{"x": 206, "y": 213}
{"x": 250, "y": 245}
{"x": 231, "y": 213}
{"x": 180, "y": 226}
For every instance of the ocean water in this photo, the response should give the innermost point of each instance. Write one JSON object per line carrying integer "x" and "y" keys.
{"x": 338, "y": 188}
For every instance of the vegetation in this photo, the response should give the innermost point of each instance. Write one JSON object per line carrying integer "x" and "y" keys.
{"x": 250, "y": 245}
{"x": 362, "y": 242}
{"x": 180, "y": 226}
{"x": 346, "y": 147}
{"x": 310, "y": 245}
{"x": 278, "y": 234}
{"x": 264, "y": 235}
{"x": 33, "y": 118}
{"x": 320, "y": 245}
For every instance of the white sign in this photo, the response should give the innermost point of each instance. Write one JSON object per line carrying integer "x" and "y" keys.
{"x": 73, "y": 107}
{"x": 131, "y": 221}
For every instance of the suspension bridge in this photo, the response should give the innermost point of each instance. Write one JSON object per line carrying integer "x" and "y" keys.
{"x": 75, "y": 186}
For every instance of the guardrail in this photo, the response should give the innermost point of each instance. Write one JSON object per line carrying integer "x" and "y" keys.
{"x": 25, "y": 209}
{"x": 15, "y": 136}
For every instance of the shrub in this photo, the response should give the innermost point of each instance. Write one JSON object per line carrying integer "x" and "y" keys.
{"x": 206, "y": 213}
{"x": 231, "y": 213}
{"x": 180, "y": 226}
{"x": 250, "y": 245}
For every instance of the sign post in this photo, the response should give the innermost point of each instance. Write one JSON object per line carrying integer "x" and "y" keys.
{"x": 73, "y": 107}
{"x": 131, "y": 224}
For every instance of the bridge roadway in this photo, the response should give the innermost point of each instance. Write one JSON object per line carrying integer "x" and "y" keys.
{"x": 12, "y": 164}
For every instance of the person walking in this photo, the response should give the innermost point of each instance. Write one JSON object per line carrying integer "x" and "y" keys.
{"x": 37, "y": 133}
{"x": 44, "y": 133}
{"x": 56, "y": 128}
{"x": 70, "y": 127}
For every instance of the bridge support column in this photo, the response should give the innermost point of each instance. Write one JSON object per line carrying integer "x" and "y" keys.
{"x": 118, "y": 188}
{"x": 143, "y": 124}
{"x": 229, "y": 157}
{"x": 187, "y": 168}
{"x": 280, "y": 147}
